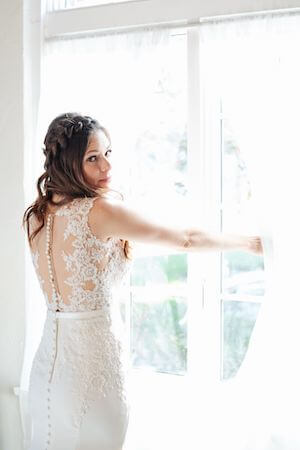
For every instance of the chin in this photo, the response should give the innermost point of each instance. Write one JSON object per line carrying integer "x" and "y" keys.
{"x": 103, "y": 183}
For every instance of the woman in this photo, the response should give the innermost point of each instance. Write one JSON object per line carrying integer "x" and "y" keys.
{"x": 79, "y": 241}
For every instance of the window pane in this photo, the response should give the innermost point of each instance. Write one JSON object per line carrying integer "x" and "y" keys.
{"x": 238, "y": 321}
{"x": 159, "y": 172}
{"x": 158, "y": 313}
{"x": 158, "y": 180}
{"x": 242, "y": 273}
{"x": 236, "y": 187}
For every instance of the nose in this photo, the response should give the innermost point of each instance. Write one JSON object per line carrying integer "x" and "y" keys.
{"x": 105, "y": 165}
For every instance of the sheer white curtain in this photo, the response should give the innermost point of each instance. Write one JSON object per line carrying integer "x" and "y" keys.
{"x": 253, "y": 64}
{"x": 112, "y": 78}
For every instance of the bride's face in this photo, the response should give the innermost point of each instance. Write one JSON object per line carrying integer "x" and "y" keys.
{"x": 96, "y": 166}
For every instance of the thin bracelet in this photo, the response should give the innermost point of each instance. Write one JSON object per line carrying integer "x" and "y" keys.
{"x": 187, "y": 243}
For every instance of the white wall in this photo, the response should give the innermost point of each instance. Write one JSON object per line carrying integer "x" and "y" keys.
{"x": 11, "y": 237}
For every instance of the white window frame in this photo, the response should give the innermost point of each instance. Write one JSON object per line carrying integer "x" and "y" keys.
{"x": 119, "y": 16}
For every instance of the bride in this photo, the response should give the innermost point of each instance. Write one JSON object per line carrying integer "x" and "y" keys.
{"x": 79, "y": 239}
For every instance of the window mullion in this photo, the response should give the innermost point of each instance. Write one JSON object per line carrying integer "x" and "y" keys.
{"x": 204, "y": 191}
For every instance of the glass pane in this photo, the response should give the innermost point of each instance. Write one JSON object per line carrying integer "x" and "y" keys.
{"x": 159, "y": 172}
{"x": 238, "y": 321}
{"x": 236, "y": 187}
{"x": 158, "y": 180}
{"x": 242, "y": 273}
{"x": 158, "y": 313}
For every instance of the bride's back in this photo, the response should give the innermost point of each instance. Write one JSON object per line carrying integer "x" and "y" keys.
{"x": 73, "y": 262}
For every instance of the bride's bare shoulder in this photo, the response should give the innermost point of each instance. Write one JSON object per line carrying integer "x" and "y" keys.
{"x": 105, "y": 201}
{"x": 103, "y": 214}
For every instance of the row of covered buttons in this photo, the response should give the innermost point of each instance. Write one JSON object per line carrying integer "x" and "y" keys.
{"x": 54, "y": 336}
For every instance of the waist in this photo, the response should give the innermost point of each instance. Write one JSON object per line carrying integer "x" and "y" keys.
{"x": 77, "y": 314}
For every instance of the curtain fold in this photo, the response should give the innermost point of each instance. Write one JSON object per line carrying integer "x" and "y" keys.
{"x": 254, "y": 65}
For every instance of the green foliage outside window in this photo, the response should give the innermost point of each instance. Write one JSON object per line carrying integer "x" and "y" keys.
{"x": 158, "y": 314}
{"x": 238, "y": 321}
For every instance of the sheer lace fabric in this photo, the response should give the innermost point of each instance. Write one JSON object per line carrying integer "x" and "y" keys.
{"x": 87, "y": 268}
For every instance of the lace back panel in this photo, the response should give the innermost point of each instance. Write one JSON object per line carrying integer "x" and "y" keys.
{"x": 85, "y": 267}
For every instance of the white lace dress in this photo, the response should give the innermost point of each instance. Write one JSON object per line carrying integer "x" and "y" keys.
{"x": 77, "y": 388}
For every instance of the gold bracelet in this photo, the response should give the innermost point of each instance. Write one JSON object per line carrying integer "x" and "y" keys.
{"x": 187, "y": 243}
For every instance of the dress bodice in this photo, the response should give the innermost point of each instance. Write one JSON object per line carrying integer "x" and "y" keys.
{"x": 83, "y": 269}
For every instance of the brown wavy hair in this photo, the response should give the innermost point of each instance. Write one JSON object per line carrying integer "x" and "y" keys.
{"x": 64, "y": 147}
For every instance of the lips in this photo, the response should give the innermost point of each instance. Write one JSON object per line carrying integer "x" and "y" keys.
{"x": 105, "y": 179}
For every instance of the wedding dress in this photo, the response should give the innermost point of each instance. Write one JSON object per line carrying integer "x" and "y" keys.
{"x": 78, "y": 391}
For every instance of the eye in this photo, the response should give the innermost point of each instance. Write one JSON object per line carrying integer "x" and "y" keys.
{"x": 90, "y": 158}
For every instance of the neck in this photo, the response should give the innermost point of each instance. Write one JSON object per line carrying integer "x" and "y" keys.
{"x": 57, "y": 197}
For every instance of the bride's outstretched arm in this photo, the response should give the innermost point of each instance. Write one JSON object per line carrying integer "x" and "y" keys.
{"x": 116, "y": 219}
{"x": 204, "y": 240}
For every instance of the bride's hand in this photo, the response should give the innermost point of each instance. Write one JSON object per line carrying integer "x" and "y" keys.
{"x": 255, "y": 245}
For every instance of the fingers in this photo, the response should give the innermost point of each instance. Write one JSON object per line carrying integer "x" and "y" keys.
{"x": 256, "y": 245}
{"x": 258, "y": 248}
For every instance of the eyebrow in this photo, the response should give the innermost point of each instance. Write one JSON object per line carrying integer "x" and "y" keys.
{"x": 95, "y": 149}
